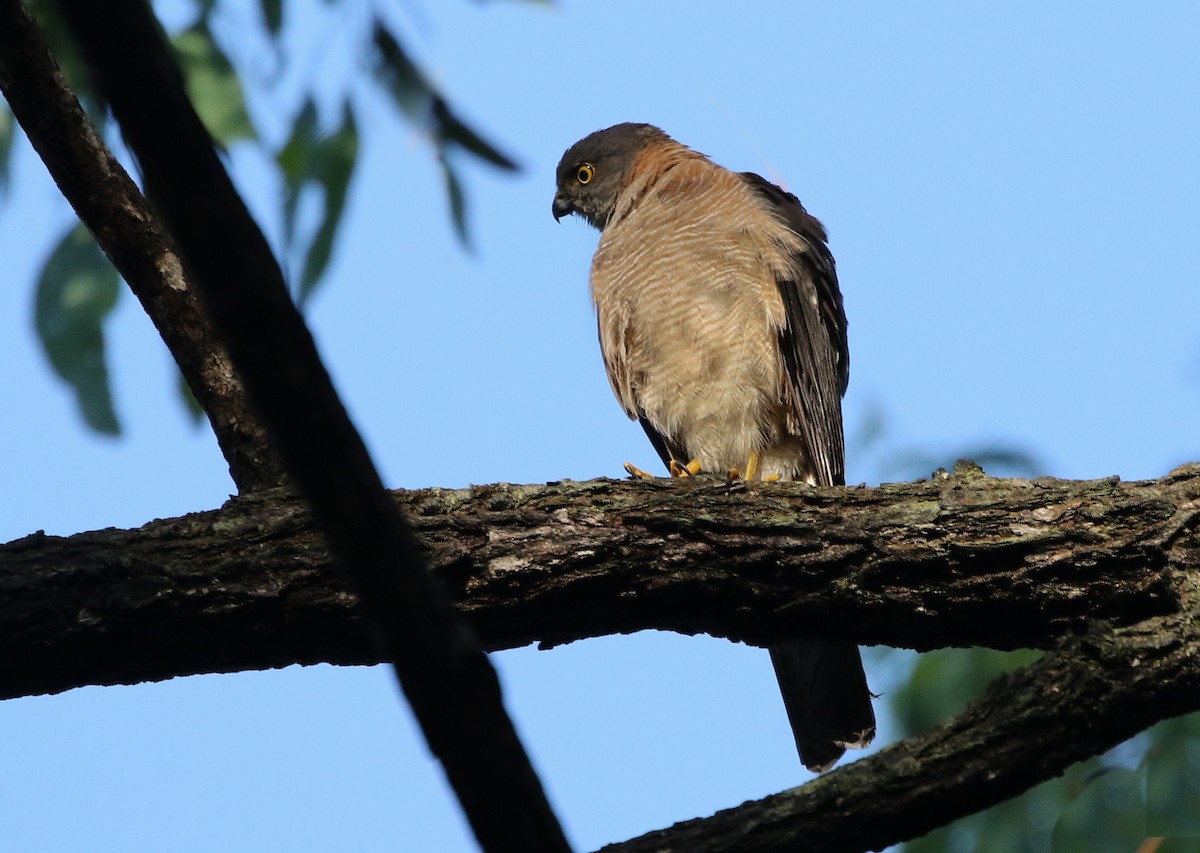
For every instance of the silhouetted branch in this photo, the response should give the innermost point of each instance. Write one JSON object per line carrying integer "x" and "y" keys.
{"x": 128, "y": 231}
{"x": 1031, "y": 725}
{"x": 447, "y": 679}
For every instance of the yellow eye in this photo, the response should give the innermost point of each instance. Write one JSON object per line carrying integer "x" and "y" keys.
{"x": 585, "y": 173}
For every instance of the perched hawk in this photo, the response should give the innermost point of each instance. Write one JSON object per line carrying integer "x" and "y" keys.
{"x": 723, "y": 333}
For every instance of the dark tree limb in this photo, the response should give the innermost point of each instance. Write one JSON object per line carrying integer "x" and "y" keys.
{"x": 1104, "y": 573}
{"x": 125, "y": 226}
{"x": 444, "y": 673}
{"x": 1031, "y": 725}
{"x": 963, "y": 560}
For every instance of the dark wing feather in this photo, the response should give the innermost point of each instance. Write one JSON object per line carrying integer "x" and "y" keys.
{"x": 822, "y": 681}
{"x": 815, "y": 350}
{"x": 665, "y": 449}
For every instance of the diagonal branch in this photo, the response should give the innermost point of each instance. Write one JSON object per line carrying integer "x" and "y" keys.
{"x": 447, "y": 679}
{"x": 128, "y": 231}
{"x": 1095, "y": 692}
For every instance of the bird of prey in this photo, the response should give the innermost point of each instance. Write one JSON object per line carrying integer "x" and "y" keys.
{"x": 723, "y": 333}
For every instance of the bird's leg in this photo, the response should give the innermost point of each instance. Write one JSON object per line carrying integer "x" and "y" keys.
{"x": 752, "y": 465}
{"x": 636, "y": 472}
{"x": 679, "y": 469}
{"x": 751, "y": 468}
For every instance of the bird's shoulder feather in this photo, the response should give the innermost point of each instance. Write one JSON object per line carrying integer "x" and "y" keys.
{"x": 813, "y": 342}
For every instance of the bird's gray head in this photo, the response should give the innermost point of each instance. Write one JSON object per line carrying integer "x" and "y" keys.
{"x": 592, "y": 172}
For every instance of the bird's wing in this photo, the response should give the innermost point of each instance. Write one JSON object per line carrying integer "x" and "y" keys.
{"x": 812, "y": 342}
{"x": 666, "y": 449}
{"x": 822, "y": 681}
{"x": 612, "y": 349}
{"x": 626, "y": 393}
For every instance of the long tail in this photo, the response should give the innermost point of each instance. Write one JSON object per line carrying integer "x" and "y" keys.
{"x": 825, "y": 692}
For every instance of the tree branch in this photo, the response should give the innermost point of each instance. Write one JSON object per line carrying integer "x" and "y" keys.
{"x": 1105, "y": 572}
{"x": 121, "y": 220}
{"x": 448, "y": 681}
{"x": 957, "y": 561}
{"x": 1095, "y": 692}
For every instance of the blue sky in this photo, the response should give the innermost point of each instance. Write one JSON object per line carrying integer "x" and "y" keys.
{"x": 1012, "y": 195}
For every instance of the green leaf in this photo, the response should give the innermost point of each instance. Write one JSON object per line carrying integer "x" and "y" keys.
{"x": 295, "y": 161}
{"x": 423, "y": 104}
{"x": 1094, "y": 806}
{"x": 451, "y": 129}
{"x": 293, "y": 157}
{"x": 213, "y": 85}
{"x": 400, "y": 75}
{"x": 458, "y": 203}
{"x": 7, "y": 131}
{"x": 333, "y": 166}
{"x": 413, "y": 92}
{"x": 310, "y": 161}
{"x": 273, "y": 14}
{"x": 76, "y": 291}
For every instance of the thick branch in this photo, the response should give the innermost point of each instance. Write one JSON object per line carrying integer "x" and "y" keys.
{"x": 962, "y": 560}
{"x": 117, "y": 214}
{"x": 1106, "y": 571}
{"x": 448, "y": 681}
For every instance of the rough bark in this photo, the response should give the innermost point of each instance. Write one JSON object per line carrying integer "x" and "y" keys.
{"x": 1105, "y": 574}
{"x": 959, "y": 560}
{"x": 126, "y": 228}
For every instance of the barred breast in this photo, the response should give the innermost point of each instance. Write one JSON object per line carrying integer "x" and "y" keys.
{"x": 684, "y": 283}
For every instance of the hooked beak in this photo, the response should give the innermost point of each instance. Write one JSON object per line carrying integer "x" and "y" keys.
{"x": 562, "y": 207}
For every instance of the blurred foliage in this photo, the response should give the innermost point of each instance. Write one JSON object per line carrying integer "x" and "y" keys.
{"x": 1146, "y": 787}
{"x": 7, "y": 126}
{"x": 871, "y": 448}
{"x": 1141, "y": 797}
{"x": 941, "y": 683}
{"x": 312, "y": 161}
{"x": 75, "y": 292}
{"x": 421, "y": 101}
{"x": 212, "y": 84}
{"x": 315, "y": 163}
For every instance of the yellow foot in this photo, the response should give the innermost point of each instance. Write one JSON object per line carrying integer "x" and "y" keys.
{"x": 679, "y": 470}
{"x": 752, "y": 471}
{"x": 751, "y": 465}
{"x": 636, "y": 472}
